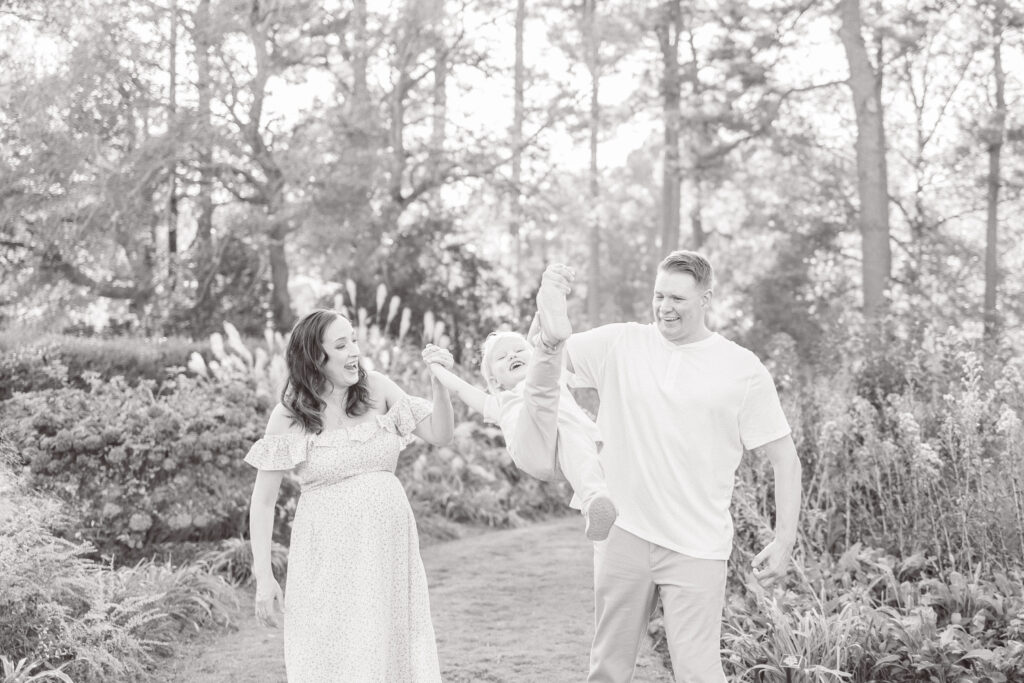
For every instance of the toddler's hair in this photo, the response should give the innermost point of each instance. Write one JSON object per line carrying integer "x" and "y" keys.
{"x": 488, "y": 350}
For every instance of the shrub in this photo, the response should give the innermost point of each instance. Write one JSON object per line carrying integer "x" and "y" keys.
{"x": 62, "y": 613}
{"x": 139, "y": 468}
{"x": 48, "y": 361}
{"x": 870, "y": 616}
{"x": 32, "y": 368}
{"x": 923, "y": 465}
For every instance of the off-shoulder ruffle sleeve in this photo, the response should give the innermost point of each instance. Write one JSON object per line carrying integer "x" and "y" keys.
{"x": 405, "y": 414}
{"x": 278, "y": 452}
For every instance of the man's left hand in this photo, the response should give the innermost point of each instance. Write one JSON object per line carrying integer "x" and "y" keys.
{"x": 771, "y": 564}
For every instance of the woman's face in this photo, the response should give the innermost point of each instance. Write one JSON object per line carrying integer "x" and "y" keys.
{"x": 342, "y": 349}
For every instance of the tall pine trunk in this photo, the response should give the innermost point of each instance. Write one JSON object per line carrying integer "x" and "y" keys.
{"x": 668, "y": 29}
{"x": 439, "y": 116}
{"x": 594, "y": 229}
{"x": 995, "y": 134}
{"x": 872, "y": 174}
{"x": 519, "y": 84}
{"x": 203, "y": 39}
{"x": 172, "y": 130}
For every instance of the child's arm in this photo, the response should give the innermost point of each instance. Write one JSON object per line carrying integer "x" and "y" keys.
{"x": 473, "y": 397}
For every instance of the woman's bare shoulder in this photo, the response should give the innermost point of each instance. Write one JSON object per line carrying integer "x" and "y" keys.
{"x": 383, "y": 387}
{"x": 282, "y": 421}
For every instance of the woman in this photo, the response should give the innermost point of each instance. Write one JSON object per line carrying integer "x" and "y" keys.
{"x": 357, "y": 606}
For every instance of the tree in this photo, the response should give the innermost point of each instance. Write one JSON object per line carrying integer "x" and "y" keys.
{"x": 516, "y": 143}
{"x": 667, "y": 26}
{"x": 594, "y": 283}
{"x": 872, "y": 172}
{"x": 994, "y": 133}
{"x": 90, "y": 220}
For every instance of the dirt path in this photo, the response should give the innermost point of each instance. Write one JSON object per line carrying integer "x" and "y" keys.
{"x": 508, "y": 606}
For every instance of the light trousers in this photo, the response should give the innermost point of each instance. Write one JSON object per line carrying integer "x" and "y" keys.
{"x": 543, "y": 442}
{"x": 629, "y": 574}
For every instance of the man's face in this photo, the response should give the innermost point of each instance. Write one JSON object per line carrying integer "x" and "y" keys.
{"x": 508, "y": 361}
{"x": 678, "y": 305}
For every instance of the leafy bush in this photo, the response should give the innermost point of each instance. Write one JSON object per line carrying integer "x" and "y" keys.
{"x": 139, "y": 468}
{"x": 48, "y": 361}
{"x": 921, "y": 463}
{"x": 869, "y": 616}
{"x": 33, "y": 368}
{"x": 142, "y": 466}
{"x": 65, "y": 614}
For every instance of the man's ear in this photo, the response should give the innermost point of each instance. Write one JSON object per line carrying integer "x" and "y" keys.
{"x": 705, "y": 298}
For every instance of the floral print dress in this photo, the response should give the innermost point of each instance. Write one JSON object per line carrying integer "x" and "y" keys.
{"x": 356, "y": 605}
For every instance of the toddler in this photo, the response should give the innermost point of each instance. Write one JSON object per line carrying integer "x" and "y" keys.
{"x": 545, "y": 430}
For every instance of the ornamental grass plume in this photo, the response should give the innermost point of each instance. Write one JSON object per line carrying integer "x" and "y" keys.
{"x": 382, "y": 296}
{"x": 393, "y": 306}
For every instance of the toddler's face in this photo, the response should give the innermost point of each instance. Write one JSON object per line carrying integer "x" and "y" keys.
{"x": 509, "y": 360}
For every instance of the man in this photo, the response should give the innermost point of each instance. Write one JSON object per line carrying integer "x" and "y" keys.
{"x": 679, "y": 406}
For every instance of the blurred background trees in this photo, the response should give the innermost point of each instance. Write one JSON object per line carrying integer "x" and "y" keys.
{"x": 169, "y": 164}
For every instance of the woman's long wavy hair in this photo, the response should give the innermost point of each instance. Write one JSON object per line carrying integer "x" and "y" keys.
{"x": 305, "y": 357}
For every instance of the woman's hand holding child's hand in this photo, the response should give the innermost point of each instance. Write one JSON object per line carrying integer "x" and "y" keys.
{"x": 435, "y": 355}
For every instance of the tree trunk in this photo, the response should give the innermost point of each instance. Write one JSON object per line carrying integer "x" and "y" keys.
{"x": 204, "y": 226}
{"x": 697, "y": 213}
{"x": 360, "y": 125}
{"x": 516, "y": 224}
{"x": 439, "y": 117}
{"x": 995, "y": 146}
{"x": 272, "y": 190}
{"x": 668, "y": 29}
{"x": 872, "y": 174}
{"x": 280, "y": 303}
{"x": 594, "y": 241}
{"x": 172, "y": 131}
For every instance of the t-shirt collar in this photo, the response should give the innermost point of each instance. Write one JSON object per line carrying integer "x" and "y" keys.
{"x": 699, "y": 344}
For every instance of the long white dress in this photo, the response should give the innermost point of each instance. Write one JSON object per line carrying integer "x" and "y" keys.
{"x": 356, "y": 605}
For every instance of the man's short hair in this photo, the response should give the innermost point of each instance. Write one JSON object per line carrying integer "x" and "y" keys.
{"x": 692, "y": 263}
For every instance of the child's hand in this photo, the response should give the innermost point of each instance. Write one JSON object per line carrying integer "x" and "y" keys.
{"x": 433, "y": 354}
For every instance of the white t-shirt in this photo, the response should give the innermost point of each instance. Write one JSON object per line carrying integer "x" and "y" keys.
{"x": 676, "y": 420}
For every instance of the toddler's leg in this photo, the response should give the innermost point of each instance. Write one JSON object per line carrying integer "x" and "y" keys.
{"x": 536, "y": 429}
{"x": 578, "y": 459}
{"x": 552, "y": 311}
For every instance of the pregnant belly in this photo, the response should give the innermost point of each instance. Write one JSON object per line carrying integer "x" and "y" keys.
{"x": 356, "y": 509}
